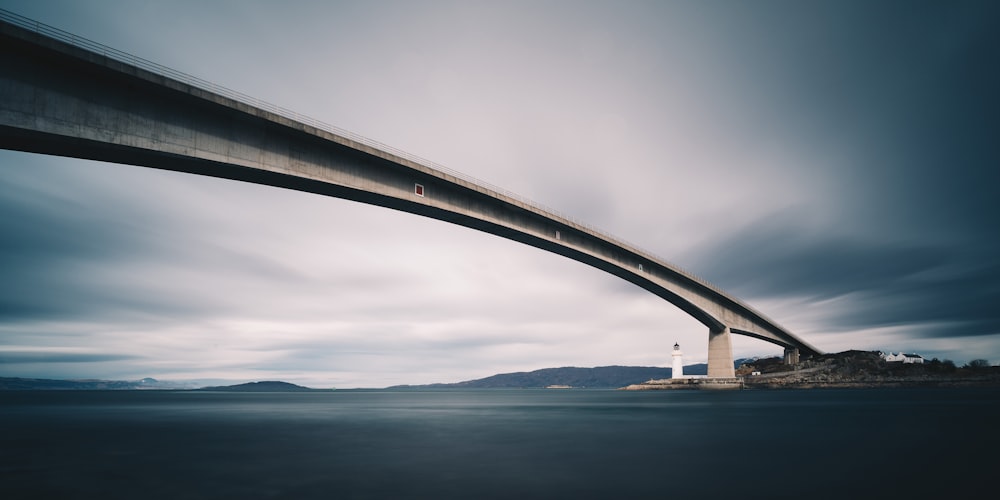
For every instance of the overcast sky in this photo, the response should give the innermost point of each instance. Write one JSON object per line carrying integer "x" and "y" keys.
{"x": 833, "y": 164}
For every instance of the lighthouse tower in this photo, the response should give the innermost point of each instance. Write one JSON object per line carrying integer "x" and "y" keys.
{"x": 678, "y": 369}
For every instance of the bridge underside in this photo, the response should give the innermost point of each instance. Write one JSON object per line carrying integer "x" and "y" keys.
{"x": 62, "y": 100}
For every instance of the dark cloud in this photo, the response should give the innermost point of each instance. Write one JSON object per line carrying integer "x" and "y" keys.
{"x": 24, "y": 357}
{"x": 47, "y": 244}
{"x": 912, "y": 109}
{"x": 896, "y": 101}
{"x": 937, "y": 289}
{"x": 74, "y": 249}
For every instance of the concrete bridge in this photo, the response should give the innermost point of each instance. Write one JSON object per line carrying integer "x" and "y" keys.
{"x": 62, "y": 95}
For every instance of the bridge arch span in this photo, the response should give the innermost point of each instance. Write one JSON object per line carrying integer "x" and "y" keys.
{"x": 62, "y": 99}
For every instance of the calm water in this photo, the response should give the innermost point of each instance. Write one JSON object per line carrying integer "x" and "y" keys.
{"x": 519, "y": 444}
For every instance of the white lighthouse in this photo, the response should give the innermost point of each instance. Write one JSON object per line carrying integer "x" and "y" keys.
{"x": 678, "y": 368}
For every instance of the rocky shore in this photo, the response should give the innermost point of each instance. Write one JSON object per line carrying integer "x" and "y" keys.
{"x": 687, "y": 383}
{"x": 849, "y": 369}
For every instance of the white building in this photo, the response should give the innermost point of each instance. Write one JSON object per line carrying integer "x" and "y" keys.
{"x": 678, "y": 368}
{"x": 903, "y": 358}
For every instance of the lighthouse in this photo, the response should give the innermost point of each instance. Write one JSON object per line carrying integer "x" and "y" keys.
{"x": 678, "y": 368}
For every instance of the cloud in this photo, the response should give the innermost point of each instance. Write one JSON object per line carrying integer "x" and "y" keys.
{"x": 935, "y": 289}
{"x": 831, "y": 164}
{"x": 230, "y": 278}
{"x": 46, "y": 357}
{"x": 79, "y": 247}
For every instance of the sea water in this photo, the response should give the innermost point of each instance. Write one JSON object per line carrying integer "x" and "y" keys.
{"x": 518, "y": 444}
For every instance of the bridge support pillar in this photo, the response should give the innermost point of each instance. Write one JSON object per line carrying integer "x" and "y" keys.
{"x": 720, "y": 354}
{"x": 791, "y": 356}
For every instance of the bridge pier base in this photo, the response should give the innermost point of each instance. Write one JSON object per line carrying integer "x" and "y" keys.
{"x": 791, "y": 356}
{"x": 720, "y": 354}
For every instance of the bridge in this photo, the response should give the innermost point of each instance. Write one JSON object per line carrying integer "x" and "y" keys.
{"x": 67, "y": 96}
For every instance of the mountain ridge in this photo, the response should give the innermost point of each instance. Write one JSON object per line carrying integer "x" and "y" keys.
{"x": 262, "y": 386}
{"x": 612, "y": 376}
{"x": 600, "y": 377}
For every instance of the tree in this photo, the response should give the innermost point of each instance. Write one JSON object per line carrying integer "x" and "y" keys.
{"x": 978, "y": 364}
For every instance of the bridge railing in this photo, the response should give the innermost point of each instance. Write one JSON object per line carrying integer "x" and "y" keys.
{"x": 193, "y": 81}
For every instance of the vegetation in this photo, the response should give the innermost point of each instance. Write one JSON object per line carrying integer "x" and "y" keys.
{"x": 864, "y": 369}
{"x": 978, "y": 364}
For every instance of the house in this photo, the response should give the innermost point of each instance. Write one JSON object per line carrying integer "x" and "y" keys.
{"x": 903, "y": 358}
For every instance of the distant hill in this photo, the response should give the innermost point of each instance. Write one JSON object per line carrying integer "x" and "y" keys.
{"x": 41, "y": 384}
{"x": 265, "y": 386}
{"x": 598, "y": 377}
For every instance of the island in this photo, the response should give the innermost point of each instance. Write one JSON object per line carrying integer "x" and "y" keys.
{"x": 848, "y": 369}
{"x": 264, "y": 386}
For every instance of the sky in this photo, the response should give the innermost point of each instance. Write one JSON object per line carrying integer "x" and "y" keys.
{"x": 831, "y": 163}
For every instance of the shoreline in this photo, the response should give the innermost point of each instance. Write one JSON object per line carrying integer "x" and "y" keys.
{"x": 776, "y": 383}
